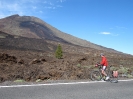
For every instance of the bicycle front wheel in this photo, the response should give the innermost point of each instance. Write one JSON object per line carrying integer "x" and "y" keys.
{"x": 95, "y": 76}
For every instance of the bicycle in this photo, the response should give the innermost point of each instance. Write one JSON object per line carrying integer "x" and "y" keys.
{"x": 96, "y": 75}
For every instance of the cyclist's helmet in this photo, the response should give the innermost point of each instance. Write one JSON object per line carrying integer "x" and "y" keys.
{"x": 101, "y": 54}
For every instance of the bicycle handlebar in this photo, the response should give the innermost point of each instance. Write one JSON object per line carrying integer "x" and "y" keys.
{"x": 98, "y": 65}
{"x": 101, "y": 65}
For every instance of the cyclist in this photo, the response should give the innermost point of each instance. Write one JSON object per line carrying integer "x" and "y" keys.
{"x": 104, "y": 64}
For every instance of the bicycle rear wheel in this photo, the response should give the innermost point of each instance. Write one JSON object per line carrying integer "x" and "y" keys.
{"x": 113, "y": 79}
{"x": 95, "y": 76}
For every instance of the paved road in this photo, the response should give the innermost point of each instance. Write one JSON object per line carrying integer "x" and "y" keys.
{"x": 87, "y": 90}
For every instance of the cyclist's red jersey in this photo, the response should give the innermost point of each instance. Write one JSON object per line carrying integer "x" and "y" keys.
{"x": 104, "y": 61}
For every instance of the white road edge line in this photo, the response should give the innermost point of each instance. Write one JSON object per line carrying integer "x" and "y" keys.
{"x": 126, "y": 80}
{"x": 50, "y": 84}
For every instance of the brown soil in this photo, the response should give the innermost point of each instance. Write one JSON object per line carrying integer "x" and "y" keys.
{"x": 30, "y": 66}
{"x": 34, "y": 65}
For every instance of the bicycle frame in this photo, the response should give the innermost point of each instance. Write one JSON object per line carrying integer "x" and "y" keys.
{"x": 108, "y": 72}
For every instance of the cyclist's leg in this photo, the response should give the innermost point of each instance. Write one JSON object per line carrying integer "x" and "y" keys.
{"x": 103, "y": 70}
{"x": 104, "y": 73}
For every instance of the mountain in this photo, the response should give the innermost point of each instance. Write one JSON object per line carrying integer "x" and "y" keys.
{"x": 32, "y": 27}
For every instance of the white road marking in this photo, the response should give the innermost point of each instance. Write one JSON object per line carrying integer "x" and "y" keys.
{"x": 126, "y": 80}
{"x": 50, "y": 84}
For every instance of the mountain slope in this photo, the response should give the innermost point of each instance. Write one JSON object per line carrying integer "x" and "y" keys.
{"x": 32, "y": 27}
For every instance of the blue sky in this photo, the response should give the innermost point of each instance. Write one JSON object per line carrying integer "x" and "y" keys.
{"x": 104, "y": 22}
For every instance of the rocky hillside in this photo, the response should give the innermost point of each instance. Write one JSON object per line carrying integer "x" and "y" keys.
{"x": 32, "y": 27}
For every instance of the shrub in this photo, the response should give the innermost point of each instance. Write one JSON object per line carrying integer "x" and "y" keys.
{"x": 129, "y": 76}
{"x": 19, "y": 80}
{"x": 58, "y": 52}
{"x": 78, "y": 65}
{"x": 123, "y": 70}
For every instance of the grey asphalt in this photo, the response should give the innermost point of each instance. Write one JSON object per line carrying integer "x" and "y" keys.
{"x": 98, "y": 90}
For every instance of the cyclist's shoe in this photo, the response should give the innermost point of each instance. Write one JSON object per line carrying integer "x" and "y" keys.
{"x": 107, "y": 78}
{"x": 102, "y": 79}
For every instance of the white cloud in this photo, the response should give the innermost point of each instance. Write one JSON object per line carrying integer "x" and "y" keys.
{"x": 105, "y": 33}
{"x": 120, "y": 27}
{"x": 59, "y": 6}
{"x": 13, "y": 7}
{"x": 7, "y": 9}
{"x": 44, "y": 1}
{"x": 108, "y": 33}
{"x": 62, "y": 1}
{"x": 28, "y": 7}
{"x": 34, "y": 7}
{"x": 51, "y": 4}
{"x": 40, "y": 11}
{"x": 115, "y": 34}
